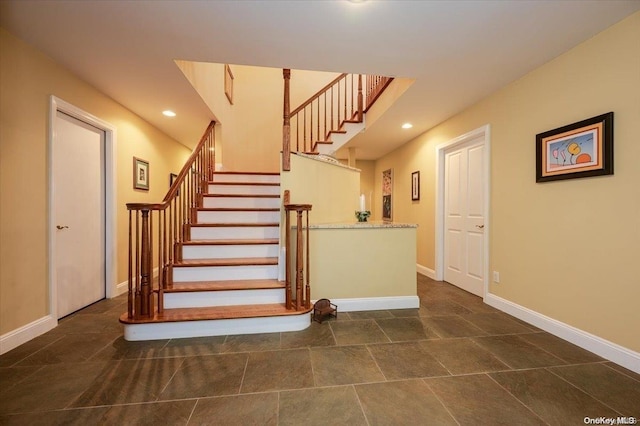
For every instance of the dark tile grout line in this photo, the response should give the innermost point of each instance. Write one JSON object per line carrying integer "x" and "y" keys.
{"x": 516, "y": 398}
{"x": 584, "y": 391}
{"x": 606, "y": 363}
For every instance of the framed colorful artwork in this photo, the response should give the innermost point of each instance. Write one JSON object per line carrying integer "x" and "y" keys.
{"x": 577, "y": 150}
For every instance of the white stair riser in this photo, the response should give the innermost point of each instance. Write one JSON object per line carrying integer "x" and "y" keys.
{"x": 244, "y": 189}
{"x": 339, "y": 139}
{"x": 203, "y": 299}
{"x": 240, "y": 203}
{"x": 224, "y": 273}
{"x": 221, "y": 177}
{"x": 222, "y": 327}
{"x": 235, "y": 232}
{"x": 229, "y": 251}
{"x": 250, "y": 216}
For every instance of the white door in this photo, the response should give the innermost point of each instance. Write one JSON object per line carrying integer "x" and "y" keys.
{"x": 78, "y": 205}
{"x": 464, "y": 216}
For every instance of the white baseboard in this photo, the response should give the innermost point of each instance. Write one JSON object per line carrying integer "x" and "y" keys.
{"x": 21, "y": 335}
{"x": 423, "y": 270}
{"x": 123, "y": 287}
{"x": 377, "y": 303}
{"x": 606, "y": 349}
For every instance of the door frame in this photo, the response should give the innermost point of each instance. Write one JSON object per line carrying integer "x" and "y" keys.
{"x": 56, "y": 104}
{"x": 485, "y": 133}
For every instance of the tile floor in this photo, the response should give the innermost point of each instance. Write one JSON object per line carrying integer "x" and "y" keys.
{"x": 453, "y": 361}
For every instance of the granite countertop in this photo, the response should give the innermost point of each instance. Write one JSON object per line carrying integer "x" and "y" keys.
{"x": 362, "y": 225}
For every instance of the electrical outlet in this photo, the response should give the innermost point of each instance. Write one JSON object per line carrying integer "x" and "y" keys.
{"x": 496, "y": 277}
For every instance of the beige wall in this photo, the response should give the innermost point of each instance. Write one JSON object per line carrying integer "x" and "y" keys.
{"x": 208, "y": 79}
{"x": 251, "y": 128}
{"x": 367, "y": 183}
{"x": 27, "y": 79}
{"x": 332, "y": 190}
{"x": 360, "y": 263}
{"x": 566, "y": 249}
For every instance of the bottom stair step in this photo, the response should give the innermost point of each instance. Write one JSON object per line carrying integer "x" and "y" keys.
{"x": 216, "y": 321}
{"x": 203, "y": 294}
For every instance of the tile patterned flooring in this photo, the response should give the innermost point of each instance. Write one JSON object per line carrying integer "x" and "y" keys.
{"x": 453, "y": 361}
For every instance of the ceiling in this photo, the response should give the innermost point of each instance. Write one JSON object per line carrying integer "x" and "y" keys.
{"x": 457, "y": 51}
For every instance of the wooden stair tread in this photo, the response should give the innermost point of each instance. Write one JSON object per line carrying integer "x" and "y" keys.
{"x": 216, "y": 313}
{"x": 245, "y": 183}
{"x": 241, "y": 195}
{"x": 230, "y": 242}
{"x": 224, "y": 285}
{"x": 238, "y": 209}
{"x": 247, "y": 173}
{"x": 224, "y": 225}
{"x": 337, "y": 131}
{"x": 237, "y": 261}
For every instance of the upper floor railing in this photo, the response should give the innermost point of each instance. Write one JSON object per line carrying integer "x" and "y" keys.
{"x": 343, "y": 100}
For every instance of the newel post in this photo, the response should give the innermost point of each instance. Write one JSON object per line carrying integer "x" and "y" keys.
{"x": 146, "y": 294}
{"x": 286, "y": 126}
{"x": 287, "y": 262}
{"x": 299, "y": 261}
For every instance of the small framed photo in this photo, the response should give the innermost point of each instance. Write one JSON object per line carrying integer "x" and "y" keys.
{"x": 140, "y": 174}
{"x": 577, "y": 150}
{"x": 415, "y": 186}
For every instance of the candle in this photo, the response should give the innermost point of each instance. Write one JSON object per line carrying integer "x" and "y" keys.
{"x": 362, "y": 206}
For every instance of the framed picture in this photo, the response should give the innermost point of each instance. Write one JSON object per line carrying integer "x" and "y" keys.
{"x": 577, "y": 150}
{"x": 387, "y": 194}
{"x": 172, "y": 178}
{"x": 140, "y": 174}
{"x": 228, "y": 83}
{"x": 415, "y": 186}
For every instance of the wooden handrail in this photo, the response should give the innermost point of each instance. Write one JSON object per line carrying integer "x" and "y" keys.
{"x": 317, "y": 94}
{"x": 173, "y": 219}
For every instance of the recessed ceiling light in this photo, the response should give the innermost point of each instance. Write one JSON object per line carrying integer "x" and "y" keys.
{"x": 407, "y": 125}
{"x": 168, "y": 113}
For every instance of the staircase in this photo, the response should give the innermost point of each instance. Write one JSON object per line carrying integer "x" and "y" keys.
{"x": 215, "y": 238}
{"x": 225, "y": 276}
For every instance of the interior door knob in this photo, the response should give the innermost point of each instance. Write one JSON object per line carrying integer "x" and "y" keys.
{"x": 62, "y": 227}
{"x": 479, "y": 226}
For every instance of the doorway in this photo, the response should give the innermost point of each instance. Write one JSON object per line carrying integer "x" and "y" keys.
{"x": 462, "y": 208}
{"x": 81, "y": 209}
